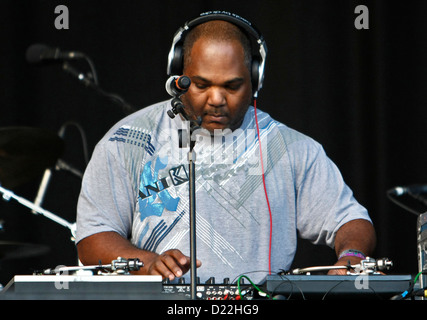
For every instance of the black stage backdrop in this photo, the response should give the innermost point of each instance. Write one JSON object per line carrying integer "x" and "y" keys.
{"x": 361, "y": 93}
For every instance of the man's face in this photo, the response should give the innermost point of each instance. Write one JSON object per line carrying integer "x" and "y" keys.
{"x": 221, "y": 90}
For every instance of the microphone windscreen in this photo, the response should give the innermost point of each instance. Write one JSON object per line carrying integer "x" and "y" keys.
{"x": 35, "y": 53}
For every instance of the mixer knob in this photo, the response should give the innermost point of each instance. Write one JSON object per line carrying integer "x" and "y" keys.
{"x": 211, "y": 280}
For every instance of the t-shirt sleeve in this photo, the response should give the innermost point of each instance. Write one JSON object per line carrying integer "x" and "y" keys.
{"x": 106, "y": 200}
{"x": 324, "y": 201}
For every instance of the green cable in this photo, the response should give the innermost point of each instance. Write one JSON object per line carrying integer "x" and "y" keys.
{"x": 253, "y": 284}
{"x": 417, "y": 276}
{"x": 411, "y": 288}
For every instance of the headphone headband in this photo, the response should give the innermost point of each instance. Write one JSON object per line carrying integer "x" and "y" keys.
{"x": 259, "y": 51}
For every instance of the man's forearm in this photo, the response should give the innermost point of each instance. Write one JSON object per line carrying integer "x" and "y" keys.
{"x": 354, "y": 235}
{"x": 108, "y": 246}
{"x": 357, "y": 235}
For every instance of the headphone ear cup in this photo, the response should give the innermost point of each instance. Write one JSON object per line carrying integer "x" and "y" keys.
{"x": 177, "y": 61}
{"x": 255, "y": 74}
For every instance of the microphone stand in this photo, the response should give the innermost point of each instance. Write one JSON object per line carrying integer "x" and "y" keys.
{"x": 87, "y": 82}
{"x": 178, "y": 108}
{"x": 7, "y": 195}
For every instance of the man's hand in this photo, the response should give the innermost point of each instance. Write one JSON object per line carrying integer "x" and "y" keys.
{"x": 356, "y": 235}
{"x": 107, "y": 246}
{"x": 170, "y": 264}
{"x": 345, "y": 261}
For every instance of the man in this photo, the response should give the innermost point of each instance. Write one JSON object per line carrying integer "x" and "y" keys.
{"x": 134, "y": 198}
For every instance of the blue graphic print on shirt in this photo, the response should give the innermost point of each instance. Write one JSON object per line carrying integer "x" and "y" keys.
{"x": 154, "y": 197}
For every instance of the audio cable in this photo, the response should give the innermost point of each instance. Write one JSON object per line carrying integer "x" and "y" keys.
{"x": 265, "y": 188}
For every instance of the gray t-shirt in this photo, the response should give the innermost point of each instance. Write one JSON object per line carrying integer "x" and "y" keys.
{"x": 137, "y": 185}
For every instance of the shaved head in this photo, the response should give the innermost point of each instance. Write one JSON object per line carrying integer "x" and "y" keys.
{"x": 219, "y": 31}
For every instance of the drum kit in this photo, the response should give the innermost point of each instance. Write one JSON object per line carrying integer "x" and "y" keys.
{"x": 25, "y": 154}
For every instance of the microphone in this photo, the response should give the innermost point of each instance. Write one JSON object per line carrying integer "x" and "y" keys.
{"x": 40, "y": 53}
{"x": 413, "y": 189}
{"x": 177, "y": 85}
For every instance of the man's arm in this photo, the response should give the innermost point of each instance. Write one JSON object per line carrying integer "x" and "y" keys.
{"x": 108, "y": 246}
{"x": 356, "y": 235}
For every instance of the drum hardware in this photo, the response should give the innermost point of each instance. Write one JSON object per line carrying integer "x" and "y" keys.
{"x": 7, "y": 195}
{"x": 25, "y": 153}
{"x": 15, "y": 250}
{"x": 60, "y": 165}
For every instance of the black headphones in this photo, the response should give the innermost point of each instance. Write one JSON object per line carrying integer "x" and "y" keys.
{"x": 259, "y": 47}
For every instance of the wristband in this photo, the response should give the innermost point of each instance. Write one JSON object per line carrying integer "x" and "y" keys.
{"x": 352, "y": 253}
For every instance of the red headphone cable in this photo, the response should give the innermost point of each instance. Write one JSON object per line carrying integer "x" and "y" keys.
{"x": 265, "y": 189}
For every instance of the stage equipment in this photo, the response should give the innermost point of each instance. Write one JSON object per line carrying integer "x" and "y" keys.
{"x": 41, "y": 54}
{"x": 8, "y": 194}
{"x": 422, "y": 250}
{"x": 179, "y": 108}
{"x": 115, "y": 281}
{"x": 417, "y": 192}
{"x": 25, "y": 153}
{"x": 366, "y": 266}
{"x": 10, "y": 250}
{"x": 60, "y": 165}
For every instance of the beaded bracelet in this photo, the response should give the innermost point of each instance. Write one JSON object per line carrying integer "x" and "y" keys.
{"x": 352, "y": 253}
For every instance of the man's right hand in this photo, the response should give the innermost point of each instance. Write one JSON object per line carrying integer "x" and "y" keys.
{"x": 108, "y": 246}
{"x": 170, "y": 264}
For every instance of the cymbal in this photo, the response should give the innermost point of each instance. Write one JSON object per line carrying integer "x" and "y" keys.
{"x": 15, "y": 250}
{"x": 25, "y": 152}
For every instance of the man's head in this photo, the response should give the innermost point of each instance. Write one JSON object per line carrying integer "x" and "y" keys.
{"x": 217, "y": 58}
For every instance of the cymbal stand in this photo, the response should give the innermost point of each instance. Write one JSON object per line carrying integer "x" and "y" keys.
{"x": 7, "y": 195}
